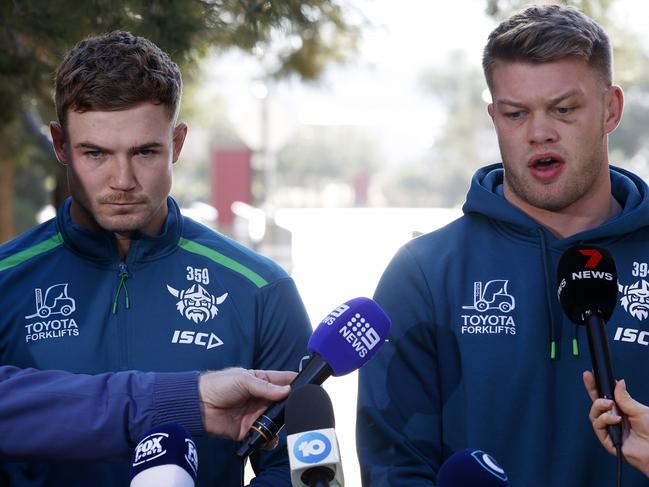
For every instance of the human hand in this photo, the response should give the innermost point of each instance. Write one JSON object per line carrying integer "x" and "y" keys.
{"x": 232, "y": 399}
{"x": 635, "y": 427}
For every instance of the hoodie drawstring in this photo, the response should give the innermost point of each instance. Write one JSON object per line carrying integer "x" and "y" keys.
{"x": 575, "y": 342}
{"x": 549, "y": 286}
{"x": 123, "y": 275}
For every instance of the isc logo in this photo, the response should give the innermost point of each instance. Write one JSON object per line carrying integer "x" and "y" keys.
{"x": 149, "y": 448}
{"x": 631, "y": 335}
{"x": 186, "y": 337}
{"x": 312, "y": 447}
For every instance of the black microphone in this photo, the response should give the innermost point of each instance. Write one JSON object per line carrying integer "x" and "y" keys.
{"x": 588, "y": 294}
{"x": 471, "y": 468}
{"x": 345, "y": 340}
{"x": 312, "y": 444}
{"x": 165, "y": 457}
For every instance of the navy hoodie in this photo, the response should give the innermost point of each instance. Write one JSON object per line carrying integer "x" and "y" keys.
{"x": 187, "y": 299}
{"x": 470, "y": 361}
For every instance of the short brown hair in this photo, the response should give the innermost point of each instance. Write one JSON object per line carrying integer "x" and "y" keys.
{"x": 545, "y": 33}
{"x": 116, "y": 71}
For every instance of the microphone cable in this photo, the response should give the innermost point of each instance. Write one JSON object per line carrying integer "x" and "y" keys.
{"x": 619, "y": 456}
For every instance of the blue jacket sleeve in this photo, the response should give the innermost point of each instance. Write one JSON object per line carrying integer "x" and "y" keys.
{"x": 284, "y": 332}
{"x": 398, "y": 423}
{"x": 60, "y": 416}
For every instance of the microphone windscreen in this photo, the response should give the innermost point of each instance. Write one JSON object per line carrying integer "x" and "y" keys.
{"x": 587, "y": 281}
{"x": 308, "y": 408}
{"x": 350, "y": 335}
{"x": 165, "y": 456}
{"x": 471, "y": 468}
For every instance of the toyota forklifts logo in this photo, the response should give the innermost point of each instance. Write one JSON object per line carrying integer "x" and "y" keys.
{"x": 52, "y": 315}
{"x": 492, "y": 301}
{"x": 55, "y": 302}
{"x": 492, "y": 296}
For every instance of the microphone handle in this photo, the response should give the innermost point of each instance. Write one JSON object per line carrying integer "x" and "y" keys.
{"x": 601, "y": 360}
{"x": 266, "y": 426}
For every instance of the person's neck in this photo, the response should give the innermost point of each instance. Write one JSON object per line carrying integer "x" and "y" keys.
{"x": 123, "y": 241}
{"x": 581, "y": 216}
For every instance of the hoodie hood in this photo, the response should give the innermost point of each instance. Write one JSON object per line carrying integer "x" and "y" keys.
{"x": 486, "y": 198}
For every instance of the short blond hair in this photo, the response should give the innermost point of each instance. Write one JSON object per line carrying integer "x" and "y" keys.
{"x": 545, "y": 33}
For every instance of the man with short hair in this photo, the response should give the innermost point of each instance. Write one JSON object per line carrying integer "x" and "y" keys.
{"x": 481, "y": 354}
{"x": 120, "y": 279}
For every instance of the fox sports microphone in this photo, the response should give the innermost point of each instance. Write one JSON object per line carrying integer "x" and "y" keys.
{"x": 588, "y": 293}
{"x": 471, "y": 468}
{"x": 165, "y": 457}
{"x": 312, "y": 444}
{"x": 343, "y": 341}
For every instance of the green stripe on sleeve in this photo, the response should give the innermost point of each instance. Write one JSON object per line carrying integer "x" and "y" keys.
{"x": 33, "y": 251}
{"x": 223, "y": 260}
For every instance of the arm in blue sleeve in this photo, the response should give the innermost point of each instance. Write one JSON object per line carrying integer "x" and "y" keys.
{"x": 398, "y": 426}
{"x": 60, "y": 416}
{"x": 284, "y": 332}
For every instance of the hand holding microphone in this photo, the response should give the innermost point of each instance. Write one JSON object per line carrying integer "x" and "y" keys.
{"x": 233, "y": 398}
{"x": 345, "y": 340}
{"x": 635, "y": 430}
{"x": 588, "y": 294}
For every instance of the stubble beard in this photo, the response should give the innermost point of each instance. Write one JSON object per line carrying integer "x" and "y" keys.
{"x": 560, "y": 195}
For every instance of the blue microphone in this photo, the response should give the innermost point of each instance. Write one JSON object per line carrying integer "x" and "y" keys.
{"x": 471, "y": 468}
{"x": 344, "y": 341}
{"x": 165, "y": 457}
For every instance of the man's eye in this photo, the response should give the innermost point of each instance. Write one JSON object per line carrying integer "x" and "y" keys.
{"x": 93, "y": 154}
{"x": 145, "y": 152}
{"x": 564, "y": 110}
{"x": 514, "y": 115}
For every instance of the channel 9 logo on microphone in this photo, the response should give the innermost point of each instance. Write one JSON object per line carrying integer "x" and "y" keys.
{"x": 312, "y": 447}
{"x": 357, "y": 331}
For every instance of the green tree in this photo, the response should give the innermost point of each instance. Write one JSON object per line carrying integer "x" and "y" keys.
{"x": 294, "y": 37}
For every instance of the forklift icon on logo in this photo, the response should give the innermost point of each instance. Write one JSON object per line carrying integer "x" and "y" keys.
{"x": 493, "y": 296}
{"x": 56, "y": 302}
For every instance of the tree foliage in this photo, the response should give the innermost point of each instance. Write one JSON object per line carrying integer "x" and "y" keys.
{"x": 34, "y": 35}
{"x": 292, "y": 37}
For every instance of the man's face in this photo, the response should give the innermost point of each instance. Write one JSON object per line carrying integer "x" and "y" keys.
{"x": 120, "y": 166}
{"x": 552, "y": 121}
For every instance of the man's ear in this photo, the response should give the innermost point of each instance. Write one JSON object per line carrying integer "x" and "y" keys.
{"x": 180, "y": 132}
{"x": 59, "y": 142}
{"x": 614, "y": 105}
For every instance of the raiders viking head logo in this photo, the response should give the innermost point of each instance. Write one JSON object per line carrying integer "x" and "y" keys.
{"x": 196, "y": 304}
{"x": 635, "y": 299}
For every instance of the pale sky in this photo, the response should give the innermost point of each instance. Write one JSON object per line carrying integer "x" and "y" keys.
{"x": 380, "y": 89}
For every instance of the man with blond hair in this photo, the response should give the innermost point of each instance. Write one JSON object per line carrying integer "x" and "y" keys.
{"x": 481, "y": 355}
